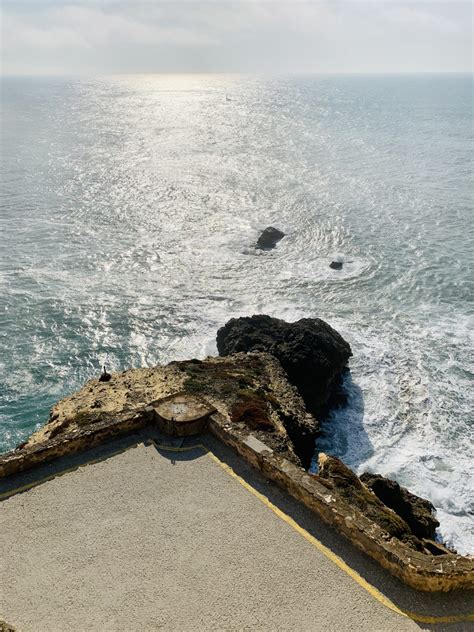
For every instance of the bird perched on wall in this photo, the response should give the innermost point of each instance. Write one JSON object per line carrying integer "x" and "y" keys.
{"x": 104, "y": 376}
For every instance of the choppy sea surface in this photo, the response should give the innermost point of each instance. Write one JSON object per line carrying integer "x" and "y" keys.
{"x": 129, "y": 210}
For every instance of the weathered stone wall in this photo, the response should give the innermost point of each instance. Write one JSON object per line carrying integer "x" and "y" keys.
{"x": 73, "y": 442}
{"x": 421, "y": 571}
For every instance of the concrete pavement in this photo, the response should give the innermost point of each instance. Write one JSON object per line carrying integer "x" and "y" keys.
{"x": 150, "y": 539}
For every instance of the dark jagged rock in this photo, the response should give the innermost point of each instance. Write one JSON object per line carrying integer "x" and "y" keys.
{"x": 350, "y": 488}
{"x": 336, "y": 265}
{"x": 436, "y": 548}
{"x": 302, "y": 433}
{"x": 269, "y": 238}
{"x": 338, "y": 397}
{"x": 311, "y": 352}
{"x": 416, "y": 511}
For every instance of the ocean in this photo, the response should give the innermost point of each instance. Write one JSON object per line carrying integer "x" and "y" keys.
{"x": 130, "y": 207}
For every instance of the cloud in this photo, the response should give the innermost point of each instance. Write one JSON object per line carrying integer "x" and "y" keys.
{"x": 101, "y": 28}
{"x": 421, "y": 18}
{"x": 92, "y": 36}
{"x": 87, "y": 27}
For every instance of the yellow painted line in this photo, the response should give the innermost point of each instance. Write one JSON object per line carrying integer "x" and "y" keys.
{"x": 374, "y": 592}
{"x": 335, "y": 558}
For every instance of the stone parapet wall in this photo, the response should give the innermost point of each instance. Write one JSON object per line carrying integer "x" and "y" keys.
{"x": 76, "y": 441}
{"x": 418, "y": 570}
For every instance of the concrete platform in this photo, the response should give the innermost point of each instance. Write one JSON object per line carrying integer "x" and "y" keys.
{"x": 152, "y": 539}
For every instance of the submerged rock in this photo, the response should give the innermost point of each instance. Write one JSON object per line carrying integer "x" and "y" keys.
{"x": 269, "y": 238}
{"x": 336, "y": 265}
{"x": 417, "y": 512}
{"x": 312, "y": 353}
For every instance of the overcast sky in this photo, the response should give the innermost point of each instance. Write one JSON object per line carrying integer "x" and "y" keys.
{"x": 96, "y": 37}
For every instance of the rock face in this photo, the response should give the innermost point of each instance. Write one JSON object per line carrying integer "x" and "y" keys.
{"x": 417, "y": 512}
{"x": 269, "y": 238}
{"x": 311, "y": 352}
{"x": 258, "y": 395}
{"x": 351, "y": 489}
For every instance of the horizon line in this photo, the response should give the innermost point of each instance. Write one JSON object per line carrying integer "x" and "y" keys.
{"x": 236, "y": 73}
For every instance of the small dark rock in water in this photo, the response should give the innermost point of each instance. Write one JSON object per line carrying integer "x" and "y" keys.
{"x": 105, "y": 377}
{"x": 269, "y": 238}
{"x": 417, "y": 512}
{"x": 336, "y": 265}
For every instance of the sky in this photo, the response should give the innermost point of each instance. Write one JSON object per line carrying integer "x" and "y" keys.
{"x": 90, "y": 37}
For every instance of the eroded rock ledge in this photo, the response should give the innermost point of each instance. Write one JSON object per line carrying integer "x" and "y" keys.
{"x": 312, "y": 354}
{"x": 250, "y": 390}
{"x": 399, "y": 513}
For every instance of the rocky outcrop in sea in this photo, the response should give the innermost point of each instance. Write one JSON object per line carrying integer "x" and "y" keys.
{"x": 269, "y": 238}
{"x": 311, "y": 352}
